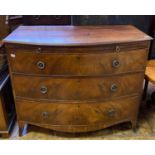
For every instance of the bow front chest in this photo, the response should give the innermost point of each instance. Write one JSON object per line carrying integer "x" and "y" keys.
{"x": 77, "y": 78}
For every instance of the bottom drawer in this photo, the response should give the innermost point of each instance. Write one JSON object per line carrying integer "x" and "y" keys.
{"x": 78, "y": 117}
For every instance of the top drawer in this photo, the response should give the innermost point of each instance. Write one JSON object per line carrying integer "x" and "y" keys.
{"x": 78, "y": 61}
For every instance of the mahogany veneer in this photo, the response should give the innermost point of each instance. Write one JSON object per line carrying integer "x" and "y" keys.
{"x": 77, "y": 78}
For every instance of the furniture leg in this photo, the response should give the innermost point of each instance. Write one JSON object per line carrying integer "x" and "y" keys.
{"x": 134, "y": 125}
{"x": 145, "y": 89}
{"x": 21, "y": 128}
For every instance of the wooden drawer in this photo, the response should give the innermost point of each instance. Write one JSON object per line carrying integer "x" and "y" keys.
{"x": 83, "y": 61}
{"x": 78, "y": 89}
{"x": 72, "y": 117}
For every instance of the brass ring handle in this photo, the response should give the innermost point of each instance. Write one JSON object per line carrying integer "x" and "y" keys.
{"x": 111, "y": 112}
{"x": 118, "y": 49}
{"x": 43, "y": 90}
{"x": 41, "y": 64}
{"x": 45, "y": 115}
{"x": 114, "y": 87}
{"x": 115, "y": 63}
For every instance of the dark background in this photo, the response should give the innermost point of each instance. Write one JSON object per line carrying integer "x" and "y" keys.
{"x": 143, "y": 22}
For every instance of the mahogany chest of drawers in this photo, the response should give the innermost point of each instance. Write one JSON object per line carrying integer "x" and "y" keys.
{"x": 77, "y": 78}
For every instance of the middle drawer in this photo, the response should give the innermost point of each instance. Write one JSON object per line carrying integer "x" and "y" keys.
{"x": 79, "y": 89}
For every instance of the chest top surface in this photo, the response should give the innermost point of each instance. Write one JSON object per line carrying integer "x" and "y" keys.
{"x": 75, "y": 35}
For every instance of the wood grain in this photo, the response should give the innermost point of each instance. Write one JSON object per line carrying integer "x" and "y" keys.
{"x": 75, "y": 35}
{"x": 77, "y": 89}
{"x": 72, "y": 117}
{"x": 86, "y": 61}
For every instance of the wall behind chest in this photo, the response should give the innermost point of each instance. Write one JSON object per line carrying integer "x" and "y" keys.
{"x": 141, "y": 22}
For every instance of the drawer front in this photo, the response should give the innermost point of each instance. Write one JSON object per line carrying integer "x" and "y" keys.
{"x": 72, "y": 115}
{"x": 81, "y": 89}
{"x": 90, "y": 62}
